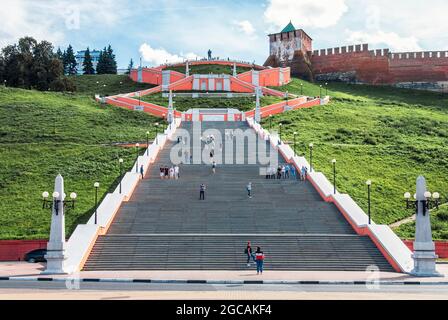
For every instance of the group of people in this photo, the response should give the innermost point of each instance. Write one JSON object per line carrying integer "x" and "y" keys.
{"x": 286, "y": 172}
{"x": 169, "y": 172}
{"x": 257, "y": 257}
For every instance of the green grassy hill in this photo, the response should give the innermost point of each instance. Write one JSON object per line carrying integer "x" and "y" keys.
{"x": 185, "y": 103}
{"x": 106, "y": 84}
{"x": 384, "y": 134}
{"x": 43, "y": 134}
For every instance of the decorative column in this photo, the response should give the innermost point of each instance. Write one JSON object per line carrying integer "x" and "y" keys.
{"x": 424, "y": 249}
{"x": 56, "y": 245}
{"x": 187, "y": 69}
{"x": 257, "y": 105}
{"x": 170, "y": 107}
{"x": 234, "y": 69}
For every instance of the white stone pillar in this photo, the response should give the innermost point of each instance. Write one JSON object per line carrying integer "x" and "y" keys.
{"x": 234, "y": 69}
{"x": 187, "y": 69}
{"x": 170, "y": 107}
{"x": 257, "y": 105}
{"x": 424, "y": 249}
{"x": 56, "y": 245}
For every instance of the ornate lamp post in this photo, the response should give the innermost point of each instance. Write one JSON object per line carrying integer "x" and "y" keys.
{"x": 369, "y": 184}
{"x": 334, "y": 175}
{"x": 56, "y": 245}
{"x": 96, "y": 185}
{"x": 326, "y": 88}
{"x": 301, "y": 89}
{"x": 295, "y": 135}
{"x": 424, "y": 249}
{"x": 320, "y": 88}
{"x": 311, "y": 156}
{"x": 137, "y": 145}
{"x": 120, "y": 161}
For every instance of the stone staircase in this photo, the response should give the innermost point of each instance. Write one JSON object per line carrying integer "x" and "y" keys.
{"x": 164, "y": 226}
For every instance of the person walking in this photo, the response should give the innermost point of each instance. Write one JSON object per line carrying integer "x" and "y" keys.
{"x": 283, "y": 172}
{"x": 202, "y": 192}
{"x": 249, "y": 190}
{"x": 249, "y": 253}
{"x": 302, "y": 174}
{"x": 259, "y": 258}
{"x": 214, "y": 166}
{"x": 162, "y": 173}
{"x": 176, "y": 172}
{"x": 142, "y": 171}
{"x": 279, "y": 172}
{"x": 166, "y": 172}
{"x": 293, "y": 172}
{"x": 171, "y": 172}
{"x": 287, "y": 171}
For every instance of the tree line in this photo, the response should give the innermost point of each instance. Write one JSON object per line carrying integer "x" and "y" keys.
{"x": 30, "y": 64}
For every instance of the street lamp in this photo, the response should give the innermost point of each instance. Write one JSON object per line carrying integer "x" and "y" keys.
{"x": 320, "y": 95}
{"x": 369, "y": 184}
{"x": 120, "y": 161}
{"x": 139, "y": 98}
{"x": 295, "y": 135}
{"x": 326, "y": 88}
{"x": 301, "y": 89}
{"x": 311, "y": 156}
{"x": 54, "y": 203}
{"x": 137, "y": 145}
{"x": 147, "y": 143}
{"x": 431, "y": 201}
{"x": 334, "y": 175}
{"x": 96, "y": 185}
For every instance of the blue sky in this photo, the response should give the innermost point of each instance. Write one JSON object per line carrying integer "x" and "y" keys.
{"x": 174, "y": 29}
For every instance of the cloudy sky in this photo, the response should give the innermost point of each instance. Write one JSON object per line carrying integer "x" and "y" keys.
{"x": 176, "y": 29}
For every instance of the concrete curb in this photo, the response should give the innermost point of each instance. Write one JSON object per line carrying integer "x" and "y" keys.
{"x": 224, "y": 282}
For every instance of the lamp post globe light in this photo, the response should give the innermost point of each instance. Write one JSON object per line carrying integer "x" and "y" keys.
{"x": 334, "y": 175}
{"x": 120, "y": 161}
{"x": 301, "y": 89}
{"x": 96, "y": 185}
{"x": 369, "y": 184}
{"x": 311, "y": 146}
{"x": 137, "y": 145}
{"x": 326, "y": 88}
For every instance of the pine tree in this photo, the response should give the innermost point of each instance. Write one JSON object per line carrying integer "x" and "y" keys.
{"x": 87, "y": 63}
{"x": 70, "y": 61}
{"x": 111, "y": 62}
{"x": 130, "y": 67}
{"x": 59, "y": 54}
{"x": 101, "y": 66}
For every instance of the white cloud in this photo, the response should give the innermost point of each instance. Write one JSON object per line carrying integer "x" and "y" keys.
{"x": 160, "y": 56}
{"x": 305, "y": 13}
{"x": 245, "y": 26}
{"x": 391, "y": 39}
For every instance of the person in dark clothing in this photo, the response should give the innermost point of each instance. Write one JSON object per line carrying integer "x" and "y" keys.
{"x": 202, "y": 192}
{"x": 167, "y": 172}
{"x": 142, "y": 171}
{"x": 249, "y": 253}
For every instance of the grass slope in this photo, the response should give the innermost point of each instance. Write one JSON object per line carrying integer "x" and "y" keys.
{"x": 43, "y": 134}
{"x": 106, "y": 84}
{"x": 384, "y": 134}
{"x": 184, "y": 103}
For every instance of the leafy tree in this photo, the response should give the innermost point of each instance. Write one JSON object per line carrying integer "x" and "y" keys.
{"x": 87, "y": 63}
{"x": 70, "y": 61}
{"x": 130, "y": 67}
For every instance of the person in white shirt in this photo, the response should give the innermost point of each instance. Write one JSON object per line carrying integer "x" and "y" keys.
{"x": 176, "y": 172}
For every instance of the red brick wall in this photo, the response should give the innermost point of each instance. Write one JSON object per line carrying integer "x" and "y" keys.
{"x": 381, "y": 67}
{"x": 15, "y": 250}
{"x": 441, "y": 248}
